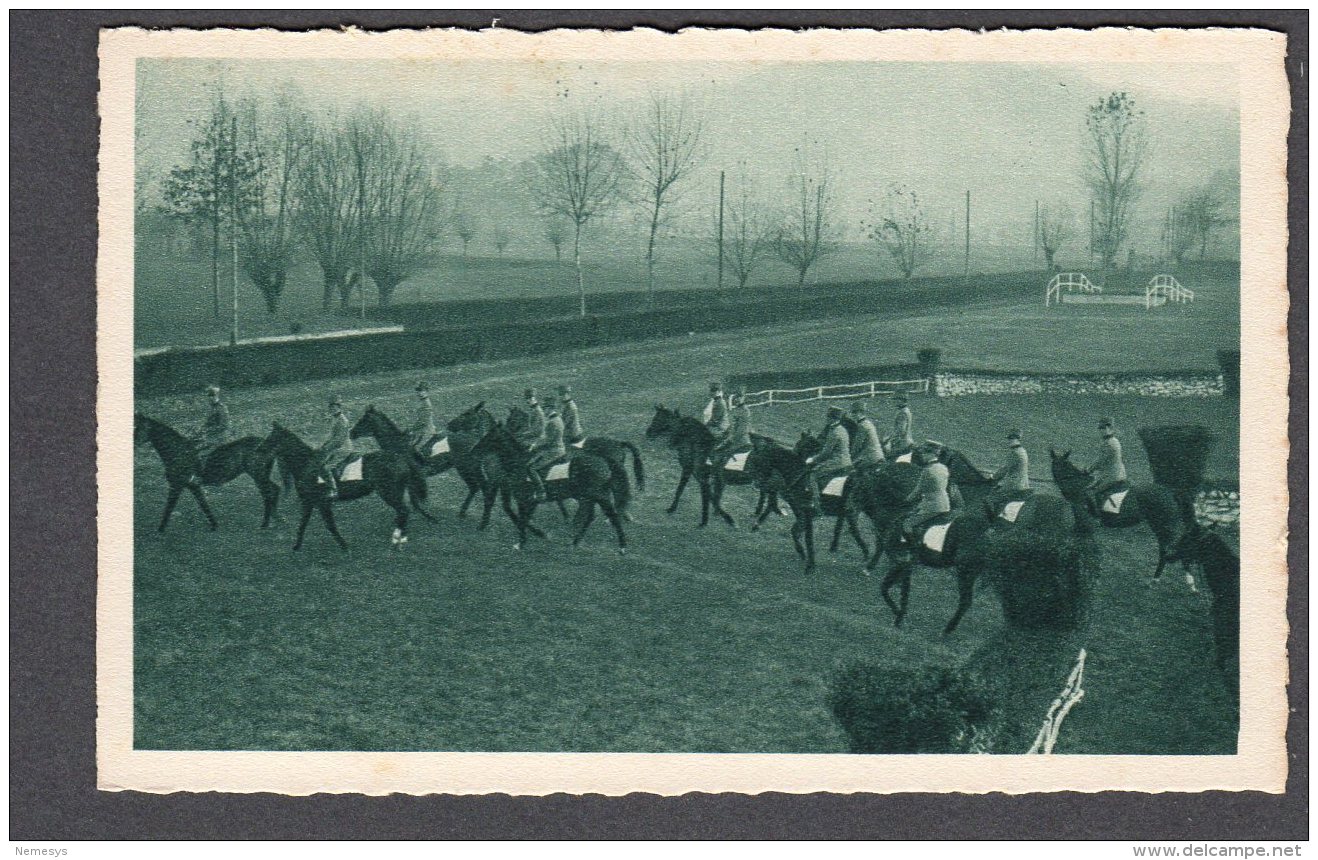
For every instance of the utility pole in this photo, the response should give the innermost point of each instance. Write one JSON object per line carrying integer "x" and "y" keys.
{"x": 233, "y": 221}
{"x": 720, "y": 228}
{"x": 967, "y": 275}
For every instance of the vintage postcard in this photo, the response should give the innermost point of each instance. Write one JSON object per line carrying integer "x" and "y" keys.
{"x": 585, "y": 411}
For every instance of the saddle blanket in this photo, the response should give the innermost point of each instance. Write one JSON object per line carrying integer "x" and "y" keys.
{"x": 578, "y": 444}
{"x": 1011, "y": 511}
{"x": 557, "y": 472}
{"x": 351, "y": 472}
{"x": 935, "y": 537}
{"x": 440, "y": 447}
{"x": 904, "y": 458}
{"x": 835, "y": 486}
{"x": 737, "y": 463}
{"x": 1112, "y": 504}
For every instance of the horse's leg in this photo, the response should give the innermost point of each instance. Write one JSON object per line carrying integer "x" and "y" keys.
{"x": 520, "y": 518}
{"x": 965, "y": 581}
{"x": 702, "y": 481}
{"x": 762, "y": 516}
{"x": 327, "y": 514}
{"x": 809, "y": 543}
{"x": 616, "y": 519}
{"x": 302, "y": 526}
{"x": 796, "y": 538}
{"x": 906, "y": 590}
{"x": 716, "y": 487}
{"x": 854, "y": 528}
{"x": 205, "y": 506}
{"x": 562, "y": 509}
{"x": 269, "y": 491}
{"x": 170, "y": 501}
{"x": 893, "y": 577}
{"x": 585, "y": 516}
{"x": 473, "y": 487}
{"x": 837, "y": 533}
{"x": 681, "y": 485}
{"x": 532, "y": 527}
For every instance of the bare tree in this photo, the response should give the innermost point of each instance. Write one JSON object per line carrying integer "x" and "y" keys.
{"x": 1205, "y": 211}
{"x": 578, "y": 177}
{"x": 902, "y": 228}
{"x": 278, "y": 138}
{"x": 465, "y": 226}
{"x": 398, "y": 210}
{"x": 500, "y": 239}
{"x": 1118, "y": 143}
{"x": 806, "y": 233}
{"x": 1179, "y": 232}
{"x": 664, "y": 145}
{"x": 327, "y": 199}
{"x": 556, "y": 235}
{"x": 1056, "y": 227}
{"x": 746, "y": 230}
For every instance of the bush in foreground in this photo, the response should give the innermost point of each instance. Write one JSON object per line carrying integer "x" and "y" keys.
{"x": 926, "y": 709}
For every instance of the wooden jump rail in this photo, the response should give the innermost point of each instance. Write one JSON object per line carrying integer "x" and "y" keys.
{"x": 877, "y": 388}
{"x": 1168, "y": 287}
{"x": 1071, "y": 282}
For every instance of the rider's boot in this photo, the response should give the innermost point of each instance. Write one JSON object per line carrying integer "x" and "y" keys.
{"x": 332, "y": 485}
{"x": 539, "y": 482}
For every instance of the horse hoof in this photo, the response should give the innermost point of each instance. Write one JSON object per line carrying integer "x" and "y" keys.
{"x": 517, "y": 546}
{"x": 670, "y": 510}
{"x": 622, "y": 550}
{"x": 628, "y": 518}
{"x": 865, "y": 572}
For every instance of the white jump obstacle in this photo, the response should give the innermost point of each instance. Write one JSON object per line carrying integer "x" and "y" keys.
{"x": 1168, "y": 289}
{"x": 1071, "y": 282}
{"x": 877, "y": 388}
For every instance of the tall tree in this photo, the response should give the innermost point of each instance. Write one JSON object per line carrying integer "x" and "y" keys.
{"x": 578, "y": 177}
{"x": 1206, "y": 211}
{"x": 556, "y": 235}
{"x": 464, "y": 225}
{"x": 806, "y": 232}
{"x": 902, "y": 228}
{"x": 327, "y": 200}
{"x": 278, "y": 136}
{"x": 1118, "y": 144}
{"x": 1056, "y": 227}
{"x": 664, "y": 144}
{"x": 1181, "y": 234}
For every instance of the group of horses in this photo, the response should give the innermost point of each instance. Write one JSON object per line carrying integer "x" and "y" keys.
{"x": 491, "y": 460}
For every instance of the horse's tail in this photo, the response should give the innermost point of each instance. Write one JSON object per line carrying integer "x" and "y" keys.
{"x": 622, "y": 487}
{"x": 638, "y": 468}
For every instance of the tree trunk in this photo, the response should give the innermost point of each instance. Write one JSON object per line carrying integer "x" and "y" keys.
{"x": 345, "y": 291}
{"x": 386, "y": 287}
{"x": 1048, "y": 258}
{"x": 576, "y": 259}
{"x": 464, "y": 248}
{"x": 558, "y": 252}
{"x": 215, "y": 264}
{"x": 649, "y": 252}
{"x": 800, "y": 275}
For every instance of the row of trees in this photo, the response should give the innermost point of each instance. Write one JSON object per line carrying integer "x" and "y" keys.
{"x": 370, "y": 202}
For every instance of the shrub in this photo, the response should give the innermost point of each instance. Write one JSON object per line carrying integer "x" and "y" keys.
{"x": 1177, "y": 455}
{"x": 1044, "y": 581}
{"x": 926, "y": 709}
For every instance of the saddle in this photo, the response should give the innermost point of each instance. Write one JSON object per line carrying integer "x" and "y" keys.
{"x": 930, "y": 534}
{"x": 346, "y": 469}
{"x": 1008, "y": 507}
{"x": 556, "y": 471}
{"x": 734, "y": 463}
{"x": 434, "y": 446}
{"x": 1111, "y": 498}
{"x": 578, "y": 443}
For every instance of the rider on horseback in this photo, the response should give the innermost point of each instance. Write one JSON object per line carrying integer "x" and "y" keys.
{"x": 423, "y": 424}
{"x": 336, "y": 447}
{"x": 534, "y": 431}
{"x": 214, "y": 430}
{"x": 549, "y": 450}
{"x": 1109, "y": 470}
{"x": 716, "y": 410}
{"x": 931, "y": 492}
{"x": 902, "y": 437}
{"x": 866, "y": 450}
{"x": 1013, "y": 478}
{"x": 738, "y": 436}
{"x": 833, "y": 459}
{"x": 572, "y": 431}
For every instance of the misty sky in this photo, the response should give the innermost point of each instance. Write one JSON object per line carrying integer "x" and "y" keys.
{"x": 1011, "y": 133}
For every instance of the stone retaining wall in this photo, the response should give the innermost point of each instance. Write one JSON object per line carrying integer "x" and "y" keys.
{"x": 951, "y": 383}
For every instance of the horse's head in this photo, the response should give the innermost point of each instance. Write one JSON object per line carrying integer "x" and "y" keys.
{"x": 664, "y": 422}
{"x": 808, "y": 445}
{"x": 476, "y": 420}
{"x": 141, "y": 426}
{"x": 518, "y": 419}
{"x": 366, "y": 424}
{"x": 960, "y": 469}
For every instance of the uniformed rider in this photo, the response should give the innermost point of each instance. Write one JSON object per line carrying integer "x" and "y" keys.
{"x": 833, "y": 459}
{"x": 931, "y": 491}
{"x": 215, "y": 428}
{"x": 1108, "y": 472}
{"x": 534, "y": 431}
{"x": 738, "y": 436}
{"x": 866, "y": 451}
{"x": 572, "y": 431}
{"x": 336, "y": 447}
{"x": 903, "y": 427}
{"x": 716, "y": 410}
{"x": 550, "y": 449}
{"x": 422, "y": 429}
{"x": 1013, "y": 477}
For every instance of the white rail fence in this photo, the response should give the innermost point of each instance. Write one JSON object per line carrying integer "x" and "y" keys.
{"x": 877, "y": 388}
{"x": 1071, "y": 282}
{"x": 1167, "y": 287}
{"x": 1070, "y": 696}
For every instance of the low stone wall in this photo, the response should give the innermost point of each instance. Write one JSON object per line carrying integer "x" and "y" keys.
{"x": 955, "y": 383}
{"x": 1218, "y": 506}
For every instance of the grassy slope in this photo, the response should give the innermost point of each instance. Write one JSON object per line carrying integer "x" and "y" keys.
{"x": 709, "y": 641}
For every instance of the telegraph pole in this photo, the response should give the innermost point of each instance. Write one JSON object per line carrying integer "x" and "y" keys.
{"x": 720, "y": 228}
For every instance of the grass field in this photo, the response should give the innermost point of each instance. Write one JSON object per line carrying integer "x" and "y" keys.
{"x": 709, "y": 640}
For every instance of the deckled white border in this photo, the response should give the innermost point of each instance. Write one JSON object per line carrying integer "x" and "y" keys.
{"x": 1261, "y": 762}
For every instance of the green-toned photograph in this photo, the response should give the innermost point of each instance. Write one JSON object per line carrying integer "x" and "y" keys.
{"x": 686, "y": 406}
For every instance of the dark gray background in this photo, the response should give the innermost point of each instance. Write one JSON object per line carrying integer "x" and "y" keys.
{"x": 53, "y": 149}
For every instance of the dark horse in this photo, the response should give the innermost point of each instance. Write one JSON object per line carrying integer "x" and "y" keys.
{"x": 1158, "y": 506}
{"x": 390, "y": 437}
{"x": 391, "y": 476}
{"x": 615, "y": 451}
{"x": 1220, "y": 568}
{"x": 592, "y": 480}
{"x": 968, "y": 527}
{"x": 482, "y": 471}
{"x": 185, "y": 469}
{"x": 694, "y": 442}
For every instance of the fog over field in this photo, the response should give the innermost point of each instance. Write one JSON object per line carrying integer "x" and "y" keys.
{"x": 1009, "y": 133}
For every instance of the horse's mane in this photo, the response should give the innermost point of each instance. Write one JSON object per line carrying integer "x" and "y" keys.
{"x": 389, "y": 425}
{"x": 161, "y": 426}
{"x": 969, "y": 472}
